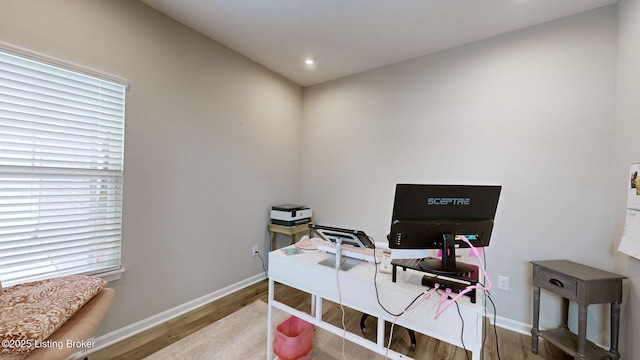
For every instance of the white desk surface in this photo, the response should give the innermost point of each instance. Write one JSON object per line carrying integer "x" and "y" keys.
{"x": 357, "y": 290}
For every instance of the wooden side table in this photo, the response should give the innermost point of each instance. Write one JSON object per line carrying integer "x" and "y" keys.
{"x": 584, "y": 285}
{"x": 291, "y": 231}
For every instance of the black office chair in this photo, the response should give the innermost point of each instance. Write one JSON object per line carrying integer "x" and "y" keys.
{"x": 412, "y": 334}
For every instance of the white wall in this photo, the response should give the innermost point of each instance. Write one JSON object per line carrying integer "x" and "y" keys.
{"x": 627, "y": 152}
{"x": 533, "y": 111}
{"x": 212, "y": 142}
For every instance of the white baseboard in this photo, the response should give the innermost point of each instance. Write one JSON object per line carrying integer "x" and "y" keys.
{"x": 114, "y": 337}
{"x": 521, "y": 328}
{"x": 509, "y": 324}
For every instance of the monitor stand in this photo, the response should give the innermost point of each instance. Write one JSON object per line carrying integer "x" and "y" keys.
{"x": 457, "y": 283}
{"x": 346, "y": 262}
{"x": 447, "y": 265}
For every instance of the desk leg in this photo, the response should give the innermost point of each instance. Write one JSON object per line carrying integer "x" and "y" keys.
{"x": 477, "y": 349}
{"x": 381, "y": 328}
{"x": 317, "y": 300}
{"x": 475, "y": 354}
{"x": 270, "y": 322}
{"x": 582, "y": 331}
{"x": 536, "y": 319}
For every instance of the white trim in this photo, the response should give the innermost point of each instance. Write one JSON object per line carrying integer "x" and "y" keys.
{"x": 114, "y": 337}
{"x": 510, "y": 324}
{"x": 110, "y": 276}
{"x": 520, "y": 327}
{"x": 15, "y": 50}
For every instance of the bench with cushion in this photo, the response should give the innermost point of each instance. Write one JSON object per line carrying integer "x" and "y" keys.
{"x": 50, "y": 319}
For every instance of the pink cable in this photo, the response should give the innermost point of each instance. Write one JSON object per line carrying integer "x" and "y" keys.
{"x": 344, "y": 327}
{"x": 445, "y": 296}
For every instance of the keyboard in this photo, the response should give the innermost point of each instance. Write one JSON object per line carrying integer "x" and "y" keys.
{"x": 366, "y": 254}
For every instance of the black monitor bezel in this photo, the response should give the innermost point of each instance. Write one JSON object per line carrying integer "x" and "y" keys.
{"x": 435, "y": 216}
{"x": 410, "y": 209}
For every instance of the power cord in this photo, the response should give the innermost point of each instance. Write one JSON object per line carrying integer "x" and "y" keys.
{"x": 495, "y": 329}
{"x": 409, "y": 308}
{"x": 344, "y": 327}
{"x": 484, "y": 328}
{"x": 375, "y": 285}
{"x": 264, "y": 268}
{"x": 423, "y": 294}
{"x": 464, "y": 348}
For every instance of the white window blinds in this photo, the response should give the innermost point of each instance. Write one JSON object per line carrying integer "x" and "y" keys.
{"x": 61, "y": 169}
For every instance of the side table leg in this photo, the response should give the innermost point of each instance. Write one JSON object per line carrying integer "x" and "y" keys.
{"x": 536, "y": 319}
{"x": 582, "y": 331}
{"x": 615, "y": 331}
{"x": 565, "y": 314}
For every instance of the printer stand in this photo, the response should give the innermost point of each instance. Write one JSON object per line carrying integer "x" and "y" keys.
{"x": 291, "y": 231}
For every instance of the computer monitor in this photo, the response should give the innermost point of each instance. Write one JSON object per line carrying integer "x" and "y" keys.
{"x": 436, "y": 216}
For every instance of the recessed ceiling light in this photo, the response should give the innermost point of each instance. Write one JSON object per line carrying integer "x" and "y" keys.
{"x": 310, "y": 60}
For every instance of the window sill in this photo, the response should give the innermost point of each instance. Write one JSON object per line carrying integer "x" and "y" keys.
{"x": 110, "y": 276}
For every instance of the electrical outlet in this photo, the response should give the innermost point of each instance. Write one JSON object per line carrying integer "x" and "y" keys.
{"x": 255, "y": 250}
{"x": 503, "y": 283}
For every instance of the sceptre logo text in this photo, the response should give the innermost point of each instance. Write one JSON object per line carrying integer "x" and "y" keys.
{"x": 448, "y": 201}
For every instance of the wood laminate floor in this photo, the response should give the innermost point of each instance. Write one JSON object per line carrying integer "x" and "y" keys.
{"x": 511, "y": 345}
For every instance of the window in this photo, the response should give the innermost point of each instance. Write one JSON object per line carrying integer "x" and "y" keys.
{"x": 61, "y": 170}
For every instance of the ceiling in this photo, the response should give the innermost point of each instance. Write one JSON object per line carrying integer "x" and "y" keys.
{"x": 351, "y": 36}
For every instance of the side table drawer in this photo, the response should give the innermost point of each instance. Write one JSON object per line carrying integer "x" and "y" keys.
{"x": 558, "y": 283}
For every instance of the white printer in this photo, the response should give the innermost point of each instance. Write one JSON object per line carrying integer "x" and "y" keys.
{"x": 290, "y": 214}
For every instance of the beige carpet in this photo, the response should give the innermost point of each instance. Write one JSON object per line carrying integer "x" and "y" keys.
{"x": 243, "y": 335}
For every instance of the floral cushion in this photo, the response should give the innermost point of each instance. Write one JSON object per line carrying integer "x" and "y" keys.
{"x": 30, "y": 312}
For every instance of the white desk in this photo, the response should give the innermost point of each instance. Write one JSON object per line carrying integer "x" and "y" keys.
{"x": 303, "y": 272}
